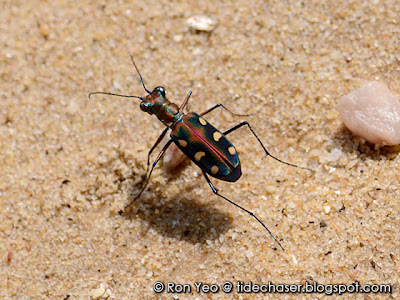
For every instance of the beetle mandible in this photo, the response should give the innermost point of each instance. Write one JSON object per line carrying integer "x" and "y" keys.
{"x": 205, "y": 145}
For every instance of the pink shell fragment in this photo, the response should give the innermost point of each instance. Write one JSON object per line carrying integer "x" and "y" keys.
{"x": 373, "y": 113}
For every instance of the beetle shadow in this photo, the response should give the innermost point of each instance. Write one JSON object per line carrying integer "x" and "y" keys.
{"x": 175, "y": 171}
{"x": 352, "y": 144}
{"x": 179, "y": 217}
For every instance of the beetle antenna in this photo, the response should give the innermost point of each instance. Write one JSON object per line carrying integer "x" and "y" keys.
{"x": 140, "y": 75}
{"x": 118, "y": 95}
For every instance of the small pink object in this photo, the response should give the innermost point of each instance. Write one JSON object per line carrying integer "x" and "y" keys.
{"x": 373, "y": 113}
{"x": 173, "y": 157}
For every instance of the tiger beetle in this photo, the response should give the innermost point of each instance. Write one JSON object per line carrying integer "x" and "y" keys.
{"x": 205, "y": 145}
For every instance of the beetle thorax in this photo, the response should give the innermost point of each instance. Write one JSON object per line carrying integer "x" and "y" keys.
{"x": 157, "y": 104}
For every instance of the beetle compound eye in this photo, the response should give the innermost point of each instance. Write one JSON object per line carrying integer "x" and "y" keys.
{"x": 160, "y": 91}
{"x": 144, "y": 107}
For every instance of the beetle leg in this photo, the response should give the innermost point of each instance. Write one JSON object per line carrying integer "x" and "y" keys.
{"x": 151, "y": 170}
{"x": 237, "y": 205}
{"x": 221, "y": 105}
{"x": 154, "y": 146}
{"x": 185, "y": 101}
{"x": 262, "y": 145}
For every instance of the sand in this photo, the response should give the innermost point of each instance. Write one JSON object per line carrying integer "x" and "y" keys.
{"x": 70, "y": 165}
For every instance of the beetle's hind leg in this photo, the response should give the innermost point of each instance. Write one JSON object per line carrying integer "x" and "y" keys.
{"x": 215, "y": 191}
{"x": 222, "y": 106}
{"x": 245, "y": 123}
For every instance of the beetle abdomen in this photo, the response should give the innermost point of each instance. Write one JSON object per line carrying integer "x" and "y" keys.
{"x": 207, "y": 147}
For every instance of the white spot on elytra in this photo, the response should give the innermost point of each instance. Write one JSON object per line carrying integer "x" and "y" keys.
{"x": 202, "y": 121}
{"x": 199, "y": 155}
{"x": 183, "y": 143}
{"x": 214, "y": 170}
{"x": 217, "y": 136}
